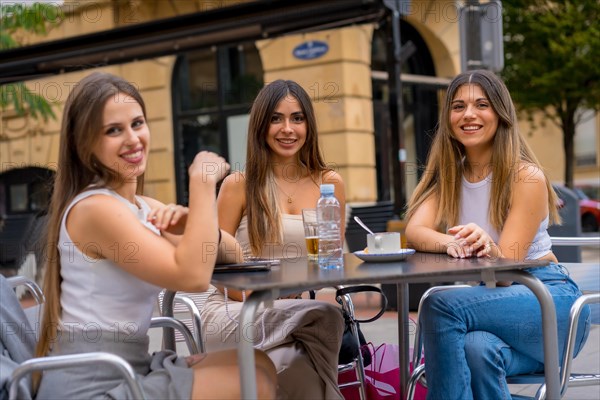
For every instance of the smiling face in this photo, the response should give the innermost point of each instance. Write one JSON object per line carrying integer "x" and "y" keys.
{"x": 287, "y": 129}
{"x": 472, "y": 118}
{"x": 124, "y": 142}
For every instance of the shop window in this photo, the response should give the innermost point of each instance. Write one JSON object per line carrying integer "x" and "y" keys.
{"x": 18, "y": 198}
{"x": 420, "y": 110}
{"x": 25, "y": 190}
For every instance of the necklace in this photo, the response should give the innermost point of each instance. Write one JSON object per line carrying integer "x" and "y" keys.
{"x": 289, "y": 196}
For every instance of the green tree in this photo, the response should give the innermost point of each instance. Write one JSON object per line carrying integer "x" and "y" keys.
{"x": 552, "y": 62}
{"x": 17, "y": 19}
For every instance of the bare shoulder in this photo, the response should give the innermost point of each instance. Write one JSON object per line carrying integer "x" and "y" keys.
{"x": 234, "y": 182}
{"x": 98, "y": 210}
{"x": 531, "y": 174}
{"x": 98, "y": 203}
{"x": 232, "y": 193}
{"x": 331, "y": 176}
{"x": 530, "y": 181}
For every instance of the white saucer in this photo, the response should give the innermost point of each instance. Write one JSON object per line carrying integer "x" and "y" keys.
{"x": 398, "y": 256}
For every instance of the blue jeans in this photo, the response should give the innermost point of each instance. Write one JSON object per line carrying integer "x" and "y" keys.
{"x": 475, "y": 337}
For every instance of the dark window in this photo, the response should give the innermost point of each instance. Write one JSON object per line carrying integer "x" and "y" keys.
{"x": 213, "y": 91}
{"x": 25, "y": 190}
{"x": 419, "y": 104}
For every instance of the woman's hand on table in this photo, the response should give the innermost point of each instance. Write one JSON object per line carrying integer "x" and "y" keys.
{"x": 471, "y": 240}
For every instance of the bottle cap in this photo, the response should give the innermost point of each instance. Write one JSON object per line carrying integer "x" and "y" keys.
{"x": 327, "y": 188}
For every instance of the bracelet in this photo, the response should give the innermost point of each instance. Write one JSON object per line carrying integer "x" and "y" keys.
{"x": 219, "y": 242}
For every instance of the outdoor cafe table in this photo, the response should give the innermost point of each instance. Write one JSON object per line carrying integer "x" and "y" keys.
{"x": 299, "y": 274}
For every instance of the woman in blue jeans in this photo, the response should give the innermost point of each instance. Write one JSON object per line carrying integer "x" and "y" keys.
{"x": 484, "y": 194}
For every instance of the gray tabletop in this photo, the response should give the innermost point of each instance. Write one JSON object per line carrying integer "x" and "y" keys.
{"x": 294, "y": 275}
{"x": 300, "y": 273}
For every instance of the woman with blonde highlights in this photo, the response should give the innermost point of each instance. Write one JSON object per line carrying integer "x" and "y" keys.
{"x": 484, "y": 194}
{"x": 111, "y": 251}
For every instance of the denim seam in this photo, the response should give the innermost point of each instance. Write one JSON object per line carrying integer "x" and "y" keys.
{"x": 501, "y": 381}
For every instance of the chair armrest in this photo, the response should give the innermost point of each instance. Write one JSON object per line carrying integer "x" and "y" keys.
{"x": 167, "y": 301}
{"x": 576, "y": 308}
{"x": 33, "y": 287}
{"x": 169, "y": 322}
{"x": 73, "y": 360}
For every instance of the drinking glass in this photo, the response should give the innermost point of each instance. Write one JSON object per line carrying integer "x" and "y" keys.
{"x": 309, "y": 220}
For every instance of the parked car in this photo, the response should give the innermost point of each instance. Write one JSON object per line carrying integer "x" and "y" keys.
{"x": 589, "y": 210}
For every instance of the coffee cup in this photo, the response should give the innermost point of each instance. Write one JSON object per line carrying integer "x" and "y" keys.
{"x": 383, "y": 242}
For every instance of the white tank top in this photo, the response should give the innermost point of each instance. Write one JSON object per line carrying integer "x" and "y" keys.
{"x": 293, "y": 245}
{"x": 97, "y": 296}
{"x": 474, "y": 206}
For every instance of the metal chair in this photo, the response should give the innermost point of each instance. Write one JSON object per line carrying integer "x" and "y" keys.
{"x": 69, "y": 361}
{"x": 567, "y": 378}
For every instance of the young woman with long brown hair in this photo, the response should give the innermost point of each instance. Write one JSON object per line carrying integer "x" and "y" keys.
{"x": 111, "y": 250}
{"x": 484, "y": 194}
{"x": 262, "y": 207}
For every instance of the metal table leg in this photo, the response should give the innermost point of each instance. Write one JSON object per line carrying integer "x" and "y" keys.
{"x": 403, "y": 337}
{"x": 246, "y": 347}
{"x": 549, "y": 327}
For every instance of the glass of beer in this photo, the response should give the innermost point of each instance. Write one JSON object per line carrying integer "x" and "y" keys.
{"x": 309, "y": 219}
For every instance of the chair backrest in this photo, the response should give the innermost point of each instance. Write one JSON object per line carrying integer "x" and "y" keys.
{"x": 568, "y": 248}
{"x": 375, "y": 216}
{"x": 593, "y": 241}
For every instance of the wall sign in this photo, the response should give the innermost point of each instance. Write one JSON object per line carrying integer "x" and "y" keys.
{"x": 310, "y": 50}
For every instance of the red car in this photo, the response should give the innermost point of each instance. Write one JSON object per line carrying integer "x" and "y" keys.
{"x": 589, "y": 209}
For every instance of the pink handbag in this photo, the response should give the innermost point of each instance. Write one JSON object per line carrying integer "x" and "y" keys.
{"x": 382, "y": 377}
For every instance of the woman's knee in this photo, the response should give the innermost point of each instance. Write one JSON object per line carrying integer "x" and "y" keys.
{"x": 484, "y": 350}
{"x": 433, "y": 304}
{"x": 480, "y": 345}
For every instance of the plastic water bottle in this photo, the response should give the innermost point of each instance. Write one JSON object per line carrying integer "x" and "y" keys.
{"x": 329, "y": 221}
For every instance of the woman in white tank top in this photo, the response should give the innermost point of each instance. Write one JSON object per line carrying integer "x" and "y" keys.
{"x": 111, "y": 250}
{"x": 262, "y": 207}
{"x": 484, "y": 194}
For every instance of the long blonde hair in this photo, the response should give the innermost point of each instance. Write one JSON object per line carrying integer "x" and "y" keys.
{"x": 442, "y": 177}
{"x": 262, "y": 208}
{"x": 77, "y": 169}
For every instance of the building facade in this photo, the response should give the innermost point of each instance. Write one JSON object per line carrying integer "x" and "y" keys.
{"x": 200, "y": 100}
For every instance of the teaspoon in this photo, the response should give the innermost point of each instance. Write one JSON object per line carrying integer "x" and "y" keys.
{"x": 366, "y": 228}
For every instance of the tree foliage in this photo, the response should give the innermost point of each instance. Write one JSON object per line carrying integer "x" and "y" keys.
{"x": 552, "y": 53}
{"x": 16, "y": 20}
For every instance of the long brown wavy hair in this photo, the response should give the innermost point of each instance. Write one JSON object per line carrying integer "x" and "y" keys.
{"x": 262, "y": 208}
{"x": 77, "y": 169}
{"x": 442, "y": 177}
